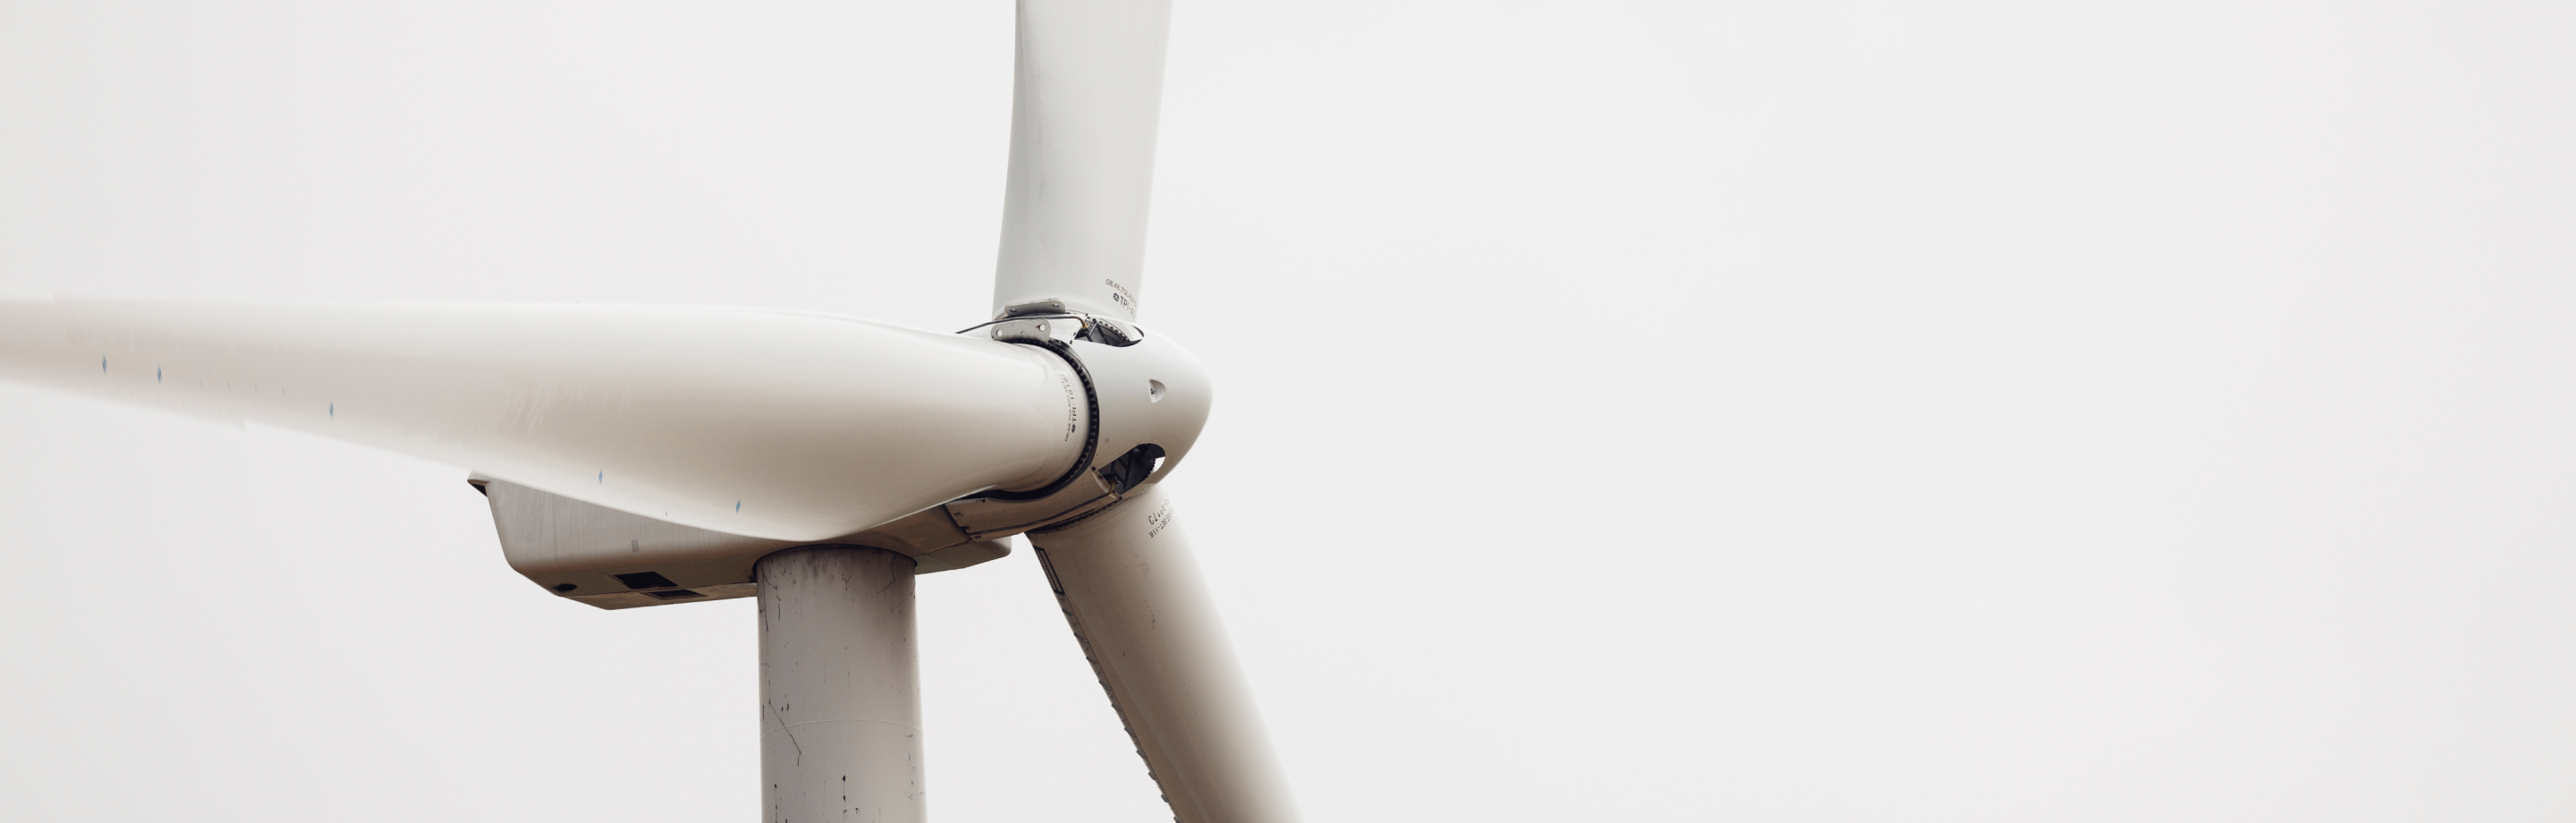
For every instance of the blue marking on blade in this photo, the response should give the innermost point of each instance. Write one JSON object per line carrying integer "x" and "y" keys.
{"x": 156, "y": 374}
{"x": 737, "y": 506}
{"x": 335, "y": 410}
{"x": 603, "y": 476}
{"x": 102, "y": 364}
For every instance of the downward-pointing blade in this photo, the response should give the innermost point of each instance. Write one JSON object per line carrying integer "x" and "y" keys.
{"x": 1131, "y": 589}
{"x": 769, "y": 424}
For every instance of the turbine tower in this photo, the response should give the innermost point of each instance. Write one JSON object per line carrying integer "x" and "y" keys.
{"x": 643, "y": 456}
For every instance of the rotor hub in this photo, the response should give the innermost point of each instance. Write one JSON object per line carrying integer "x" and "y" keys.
{"x": 1148, "y": 399}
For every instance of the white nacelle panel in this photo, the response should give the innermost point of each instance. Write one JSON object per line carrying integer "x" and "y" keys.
{"x": 615, "y": 560}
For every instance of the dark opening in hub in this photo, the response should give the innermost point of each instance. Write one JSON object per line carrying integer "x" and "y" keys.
{"x": 1132, "y": 468}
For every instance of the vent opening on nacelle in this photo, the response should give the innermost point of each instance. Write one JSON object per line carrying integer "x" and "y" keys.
{"x": 673, "y": 594}
{"x": 645, "y": 580}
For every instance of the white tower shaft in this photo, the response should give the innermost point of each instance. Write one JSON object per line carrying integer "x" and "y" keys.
{"x": 840, "y": 688}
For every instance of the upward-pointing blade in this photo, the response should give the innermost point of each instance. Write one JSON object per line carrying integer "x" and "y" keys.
{"x": 768, "y": 424}
{"x": 1087, "y": 91}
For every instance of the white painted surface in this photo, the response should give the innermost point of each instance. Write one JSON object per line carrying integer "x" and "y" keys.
{"x": 840, "y": 688}
{"x": 1131, "y": 590}
{"x": 1131, "y": 414}
{"x": 1084, "y": 107}
{"x": 772, "y": 424}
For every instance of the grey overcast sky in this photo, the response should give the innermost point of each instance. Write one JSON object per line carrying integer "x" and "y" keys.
{"x": 1833, "y": 411}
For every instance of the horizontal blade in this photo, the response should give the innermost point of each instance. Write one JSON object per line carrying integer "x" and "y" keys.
{"x": 1131, "y": 589}
{"x": 761, "y": 423}
{"x": 1087, "y": 91}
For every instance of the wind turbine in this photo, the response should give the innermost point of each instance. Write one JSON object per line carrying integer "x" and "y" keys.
{"x": 647, "y": 456}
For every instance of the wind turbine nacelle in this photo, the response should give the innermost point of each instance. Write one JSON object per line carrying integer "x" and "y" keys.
{"x": 1139, "y": 406}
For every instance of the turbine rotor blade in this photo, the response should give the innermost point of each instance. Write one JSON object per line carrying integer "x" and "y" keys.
{"x": 1087, "y": 90}
{"x": 1131, "y": 590}
{"x": 767, "y": 424}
